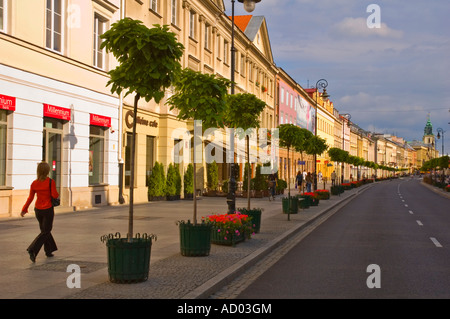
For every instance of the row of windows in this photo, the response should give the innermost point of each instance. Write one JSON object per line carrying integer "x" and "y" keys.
{"x": 55, "y": 21}
{"x": 324, "y": 126}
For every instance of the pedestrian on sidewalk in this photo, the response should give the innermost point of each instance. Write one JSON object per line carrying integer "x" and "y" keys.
{"x": 299, "y": 181}
{"x": 333, "y": 178}
{"x": 308, "y": 182}
{"x": 45, "y": 189}
{"x": 272, "y": 186}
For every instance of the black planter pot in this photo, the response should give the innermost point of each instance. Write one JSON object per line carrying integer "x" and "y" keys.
{"x": 128, "y": 260}
{"x": 195, "y": 240}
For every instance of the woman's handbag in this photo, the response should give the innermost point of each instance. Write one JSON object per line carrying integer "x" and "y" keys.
{"x": 55, "y": 201}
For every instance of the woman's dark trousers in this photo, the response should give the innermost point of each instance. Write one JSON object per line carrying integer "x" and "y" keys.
{"x": 45, "y": 219}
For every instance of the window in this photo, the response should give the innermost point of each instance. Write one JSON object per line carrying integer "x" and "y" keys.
{"x": 99, "y": 29}
{"x": 242, "y": 65}
{"x": 218, "y": 46}
{"x": 96, "y": 154}
{"x": 154, "y": 5}
{"x": 3, "y": 129}
{"x": 225, "y": 51}
{"x": 54, "y": 25}
{"x": 174, "y": 12}
{"x": 282, "y": 95}
{"x": 3, "y": 11}
{"x": 149, "y": 159}
{"x": 207, "y": 36}
{"x": 192, "y": 24}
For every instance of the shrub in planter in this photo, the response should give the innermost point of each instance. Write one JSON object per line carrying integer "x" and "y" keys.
{"x": 313, "y": 199}
{"x": 157, "y": 183}
{"x": 212, "y": 177}
{"x": 188, "y": 180}
{"x": 447, "y": 188}
{"x": 281, "y": 186}
{"x": 173, "y": 183}
{"x": 261, "y": 184}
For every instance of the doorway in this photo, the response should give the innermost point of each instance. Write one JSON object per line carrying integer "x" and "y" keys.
{"x": 52, "y": 148}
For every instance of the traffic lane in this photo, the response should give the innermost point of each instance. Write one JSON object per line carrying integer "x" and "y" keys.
{"x": 332, "y": 261}
{"x": 430, "y": 210}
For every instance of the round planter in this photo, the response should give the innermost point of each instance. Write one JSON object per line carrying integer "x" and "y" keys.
{"x": 291, "y": 203}
{"x": 195, "y": 240}
{"x": 255, "y": 214}
{"x": 128, "y": 260}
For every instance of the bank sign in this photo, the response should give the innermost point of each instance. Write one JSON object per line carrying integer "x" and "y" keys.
{"x": 7, "y": 103}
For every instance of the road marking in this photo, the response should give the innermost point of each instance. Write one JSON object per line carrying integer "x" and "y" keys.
{"x": 411, "y": 212}
{"x": 406, "y": 205}
{"x": 419, "y": 222}
{"x": 403, "y": 200}
{"x": 434, "y": 240}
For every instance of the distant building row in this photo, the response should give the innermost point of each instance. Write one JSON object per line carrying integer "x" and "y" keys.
{"x": 55, "y": 106}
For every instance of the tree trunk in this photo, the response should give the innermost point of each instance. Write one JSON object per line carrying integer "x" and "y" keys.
{"x": 132, "y": 165}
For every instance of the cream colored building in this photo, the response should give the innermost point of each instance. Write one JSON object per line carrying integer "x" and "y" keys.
{"x": 205, "y": 31}
{"x": 55, "y": 105}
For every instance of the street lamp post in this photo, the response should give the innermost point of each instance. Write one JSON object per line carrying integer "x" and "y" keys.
{"x": 441, "y": 132}
{"x": 348, "y": 117}
{"x": 249, "y": 6}
{"x": 323, "y": 84}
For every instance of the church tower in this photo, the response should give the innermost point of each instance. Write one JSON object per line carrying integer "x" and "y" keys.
{"x": 428, "y": 136}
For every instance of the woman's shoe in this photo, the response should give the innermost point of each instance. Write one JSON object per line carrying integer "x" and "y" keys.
{"x": 49, "y": 254}
{"x": 32, "y": 255}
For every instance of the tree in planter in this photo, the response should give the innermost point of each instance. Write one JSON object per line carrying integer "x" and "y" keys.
{"x": 289, "y": 135}
{"x": 188, "y": 181}
{"x": 198, "y": 97}
{"x": 156, "y": 182}
{"x": 149, "y": 60}
{"x": 243, "y": 112}
{"x": 316, "y": 146}
{"x": 212, "y": 177}
{"x": 303, "y": 141}
{"x": 260, "y": 181}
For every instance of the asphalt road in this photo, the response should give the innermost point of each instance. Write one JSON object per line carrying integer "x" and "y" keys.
{"x": 392, "y": 241}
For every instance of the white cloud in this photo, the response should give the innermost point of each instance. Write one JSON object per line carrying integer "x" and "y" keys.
{"x": 357, "y": 27}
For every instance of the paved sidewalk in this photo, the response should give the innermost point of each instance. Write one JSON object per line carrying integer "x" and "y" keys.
{"x": 171, "y": 276}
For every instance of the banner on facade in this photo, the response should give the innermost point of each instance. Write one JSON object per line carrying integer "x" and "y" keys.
{"x": 99, "y": 120}
{"x": 7, "y": 103}
{"x": 57, "y": 112}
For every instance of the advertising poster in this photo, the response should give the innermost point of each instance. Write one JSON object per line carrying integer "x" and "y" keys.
{"x": 305, "y": 114}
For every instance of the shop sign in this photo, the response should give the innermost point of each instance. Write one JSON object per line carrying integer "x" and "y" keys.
{"x": 56, "y": 112}
{"x": 7, "y": 103}
{"x": 100, "y": 120}
{"x": 139, "y": 120}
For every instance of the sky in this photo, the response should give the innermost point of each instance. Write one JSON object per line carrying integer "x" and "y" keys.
{"x": 388, "y": 77}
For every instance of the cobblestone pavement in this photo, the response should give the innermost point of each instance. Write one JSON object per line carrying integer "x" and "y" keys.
{"x": 171, "y": 275}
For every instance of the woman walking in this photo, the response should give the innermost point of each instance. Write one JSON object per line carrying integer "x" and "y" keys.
{"x": 45, "y": 189}
{"x": 308, "y": 182}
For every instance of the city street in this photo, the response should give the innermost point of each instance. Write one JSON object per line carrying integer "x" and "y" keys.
{"x": 401, "y": 227}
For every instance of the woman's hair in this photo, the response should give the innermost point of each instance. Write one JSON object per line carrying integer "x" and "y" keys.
{"x": 42, "y": 171}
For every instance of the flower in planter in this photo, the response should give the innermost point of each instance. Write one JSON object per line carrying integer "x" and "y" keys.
{"x": 236, "y": 223}
{"x": 322, "y": 193}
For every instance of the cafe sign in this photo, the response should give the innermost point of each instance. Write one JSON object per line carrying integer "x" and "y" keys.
{"x": 139, "y": 120}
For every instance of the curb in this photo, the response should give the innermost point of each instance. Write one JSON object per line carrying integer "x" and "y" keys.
{"x": 216, "y": 283}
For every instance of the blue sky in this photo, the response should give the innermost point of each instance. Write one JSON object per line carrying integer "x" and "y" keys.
{"x": 387, "y": 78}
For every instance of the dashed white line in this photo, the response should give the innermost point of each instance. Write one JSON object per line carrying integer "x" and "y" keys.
{"x": 411, "y": 212}
{"x": 435, "y": 242}
{"x": 406, "y": 205}
{"x": 419, "y": 222}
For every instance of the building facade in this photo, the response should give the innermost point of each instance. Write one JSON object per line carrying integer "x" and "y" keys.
{"x": 55, "y": 105}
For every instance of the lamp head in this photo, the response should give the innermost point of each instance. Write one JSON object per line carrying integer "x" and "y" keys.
{"x": 249, "y": 5}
